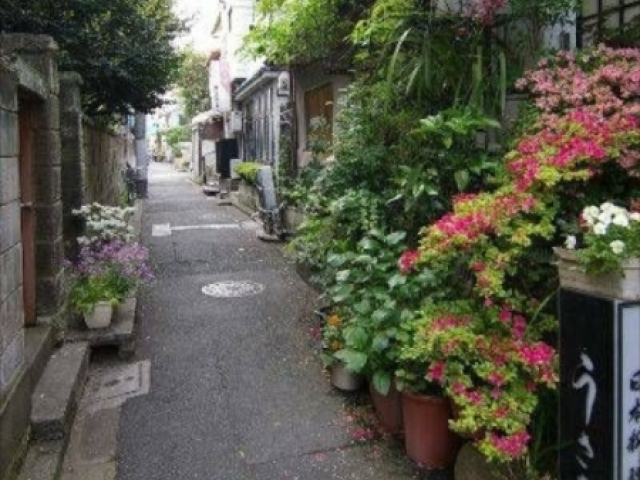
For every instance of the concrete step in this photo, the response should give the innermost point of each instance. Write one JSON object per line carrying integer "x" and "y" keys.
{"x": 43, "y": 461}
{"x": 56, "y": 395}
{"x": 38, "y": 344}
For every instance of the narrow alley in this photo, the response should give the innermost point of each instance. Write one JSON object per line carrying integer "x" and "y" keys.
{"x": 236, "y": 391}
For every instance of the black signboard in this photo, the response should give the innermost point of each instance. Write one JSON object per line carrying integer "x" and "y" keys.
{"x": 587, "y": 386}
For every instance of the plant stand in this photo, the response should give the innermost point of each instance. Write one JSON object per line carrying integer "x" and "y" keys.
{"x": 121, "y": 332}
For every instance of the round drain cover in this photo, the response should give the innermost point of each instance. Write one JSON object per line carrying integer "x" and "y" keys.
{"x": 232, "y": 289}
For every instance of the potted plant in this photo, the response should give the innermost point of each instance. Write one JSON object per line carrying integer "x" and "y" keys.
{"x": 490, "y": 364}
{"x": 603, "y": 258}
{"x": 378, "y": 296}
{"x": 95, "y": 296}
{"x": 103, "y": 275}
{"x": 426, "y": 410}
{"x": 343, "y": 376}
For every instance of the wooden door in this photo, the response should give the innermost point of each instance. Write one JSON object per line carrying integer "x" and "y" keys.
{"x": 28, "y": 214}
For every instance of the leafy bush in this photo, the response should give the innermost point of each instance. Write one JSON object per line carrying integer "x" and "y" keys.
{"x": 248, "y": 171}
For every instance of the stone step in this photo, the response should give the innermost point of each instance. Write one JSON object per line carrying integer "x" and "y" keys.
{"x": 38, "y": 346}
{"x": 56, "y": 395}
{"x": 43, "y": 461}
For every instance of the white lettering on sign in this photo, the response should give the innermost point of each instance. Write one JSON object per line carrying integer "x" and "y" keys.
{"x": 584, "y": 380}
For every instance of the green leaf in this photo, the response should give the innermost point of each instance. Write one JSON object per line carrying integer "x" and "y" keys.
{"x": 363, "y": 307}
{"x": 335, "y": 260}
{"x": 354, "y": 361}
{"x": 382, "y": 381}
{"x": 395, "y": 238}
{"x": 343, "y": 275}
{"x": 462, "y": 179}
{"x": 380, "y": 342}
{"x": 396, "y": 280}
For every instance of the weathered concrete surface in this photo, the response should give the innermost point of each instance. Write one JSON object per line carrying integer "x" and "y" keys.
{"x": 236, "y": 391}
{"x": 57, "y": 394}
{"x": 43, "y": 461}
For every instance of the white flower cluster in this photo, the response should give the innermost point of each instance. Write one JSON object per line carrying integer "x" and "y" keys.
{"x": 105, "y": 223}
{"x": 599, "y": 219}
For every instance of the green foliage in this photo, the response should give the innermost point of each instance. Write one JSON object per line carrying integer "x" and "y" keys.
{"x": 122, "y": 49}
{"x": 193, "y": 83}
{"x": 86, "y": 292}
{"x": 388, "y": 174}
{"x": 376, "y": 300}
{"x": 302, "y": 31}
{"x": 175, "y": 135}
{"x": 248, "y": 171}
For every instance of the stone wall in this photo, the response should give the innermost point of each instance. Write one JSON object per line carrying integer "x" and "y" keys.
{"x": 105, "y": 155}
{"x": 11, "y": 308}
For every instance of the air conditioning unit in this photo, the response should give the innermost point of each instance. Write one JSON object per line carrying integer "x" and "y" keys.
{"x": 236, "y": 121}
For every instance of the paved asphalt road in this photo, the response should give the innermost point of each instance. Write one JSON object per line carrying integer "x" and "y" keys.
{"x": 236, "y": 390}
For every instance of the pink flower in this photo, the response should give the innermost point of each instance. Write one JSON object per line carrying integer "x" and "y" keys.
{"x": 512, "y": 446}
{"x": 436, "y": 371}
{"x": 407, "y": 261}
{"x": 537, "y": 354}
{"x": 495, "y": 379}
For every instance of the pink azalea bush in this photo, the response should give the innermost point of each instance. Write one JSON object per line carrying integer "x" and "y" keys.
{"x": 490, "y": 365}
{"x": 483, "y": 341}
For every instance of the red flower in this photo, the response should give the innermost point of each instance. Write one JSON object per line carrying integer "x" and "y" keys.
{"x": 407, "y": 261}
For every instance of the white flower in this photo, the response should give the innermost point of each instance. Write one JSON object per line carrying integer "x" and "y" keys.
{"x": 621, "y": 219}
{"x": 617, "y": 246}
{"x": 635, "y": 216}
{"x": 590, "y": 214}
{"x": 607, "y": 206}
{"x": 605, "y": 217}
{"x": 570, "y": 242}
{"x": 600, "y": 229}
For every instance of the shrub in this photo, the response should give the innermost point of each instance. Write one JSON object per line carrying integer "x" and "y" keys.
{"x": 248, "y": 171}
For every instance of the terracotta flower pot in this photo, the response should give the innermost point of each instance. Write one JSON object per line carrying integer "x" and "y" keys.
{"x": 388, "y": 408}
{"x": 427, "y": 437}
{"x": 344, "y": 380}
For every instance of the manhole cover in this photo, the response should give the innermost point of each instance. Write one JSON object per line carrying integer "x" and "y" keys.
{"x": 232, "y": 289}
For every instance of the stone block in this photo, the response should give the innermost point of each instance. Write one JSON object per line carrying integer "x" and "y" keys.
{"x": 71, "y": 132}
{"x": 9, "y": 180}
{"x": 11, "y": 317}
{"x": 10, "y": 271}
{"x": 8, "y": 90}
{"x": 70, "y": 99}
{"x": 49, "y": 294}
{"x": 48, "y": 222}
{"x": 11, "y": 360}
{"x": 48, "y": 184}
{"x": 48, "y": 114}
{"x": 8, "y": 134}
{"x": 472, "y": 465}
{"x": 15, "y": 408}
{"x": 10, "y": 225}
{"x": 39, "y": 51}
{"x": 49, "y": 257}
{"x": 57, "y": 394}
{"x": 47, "y": 148}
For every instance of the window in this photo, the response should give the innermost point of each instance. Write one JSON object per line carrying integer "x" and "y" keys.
{"x": 318, "y": 102}
{"x": 599, "y": 14}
